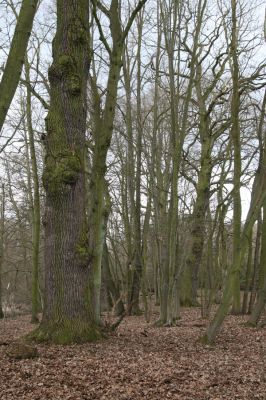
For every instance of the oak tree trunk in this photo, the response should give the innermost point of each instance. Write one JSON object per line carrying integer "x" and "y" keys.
{"x": 68, "y": 314}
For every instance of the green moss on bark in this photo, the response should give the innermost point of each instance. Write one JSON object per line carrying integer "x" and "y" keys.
{"x": 83, "y": 249}
{"x": 83, "y": 252}
{"x": 74, "y": 85}
{"x": 64, "y": 66}
{"x": 77, "y": 32}
{"x": 61, "y": 171}
{"x": 65, "y": 332}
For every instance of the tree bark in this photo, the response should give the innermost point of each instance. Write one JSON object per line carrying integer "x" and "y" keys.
{"x": 113, "y": 293}
{"x": 134, "y": 307}
{"x": 248, "y": 277}
{"x": 68, "y": 313}
{"x": 103, "y": 130}
{"x": 257, "y": 198}
{"x": 235, "y": 137}
{"x": 261, "y": 297}
{"x": 36, "y": 212}
{"x": 256, "y": 266}
{"x": 2, "y": 230}
{"x": 15, "y": 60}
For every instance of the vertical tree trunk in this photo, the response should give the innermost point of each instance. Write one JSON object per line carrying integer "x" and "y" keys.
{"x": 138, "y": 262}
{"x": 112, "y": 290}
{"x": 104, "y": 120}
{"x": 36, "y": 213}
{"x": 248, "y": 277}
{"x": 145, "y": 287}
{"x": 113, "y": 294}
{"x": 197, "y": 235}
{"x": 257, "y": 198}
{"x": 156, "y": 172}
{"x": 169, "y": 264}
{"x": 103, "y": 134}
{"x": 235, "y": 137}
{"x": 178, "y": 133}
{"x": 260, "y": 304}
{"x": 128, "y": 200}
{"x": 2, "y": 230}
{"x": 68, "y": 312}
{"x": 256, "y": 266}
{"x": 18, "y": 213}
{"x": 261, "y": 298}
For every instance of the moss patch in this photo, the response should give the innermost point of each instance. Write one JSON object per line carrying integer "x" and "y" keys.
{"x": 60, "y": 171}
{"x": 74, "y": 84}
{"x": 77, "y": 32}
{"x": 82, "y": 249}
{"x": 63, "y": 66}
{"x": 83, "y": 252}
{"x": 65, "y": 332}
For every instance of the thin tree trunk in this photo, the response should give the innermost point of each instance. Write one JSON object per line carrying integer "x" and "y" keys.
{"x": 138, "y": 262}
{"x": 114, "y": 297}
{"x": 113, "y": 294}
{"x": 2, "y": 230}
{"x": 36, "y": 213}
{"x": 19, "y": 216}
{"x": 257, "y": 198}
{"x": 104, "y": 120}
{"x": 178, "y": 133}
{"x": 256, "y": 266}
{"x": 235, "y": 137}
{"x": 248, "y": 277}
{"x": 261, "y": 299}
{"x": 15, "y": 60}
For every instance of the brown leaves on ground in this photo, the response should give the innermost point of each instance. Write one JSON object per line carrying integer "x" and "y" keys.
{"x": 140, "y": 361}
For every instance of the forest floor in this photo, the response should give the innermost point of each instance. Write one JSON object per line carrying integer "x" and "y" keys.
{"x": 140, "y": 361}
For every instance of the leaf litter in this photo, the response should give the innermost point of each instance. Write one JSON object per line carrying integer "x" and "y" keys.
{"x": 140, "y": 361}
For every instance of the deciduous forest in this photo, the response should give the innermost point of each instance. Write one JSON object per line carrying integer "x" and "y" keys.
{"x": 132, "y": 199}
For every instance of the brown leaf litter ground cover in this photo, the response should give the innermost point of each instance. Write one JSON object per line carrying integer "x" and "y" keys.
{"x": 140, "y": 361}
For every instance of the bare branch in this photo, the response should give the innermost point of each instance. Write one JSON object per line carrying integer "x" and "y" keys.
{"x": 139, "y": 6}
{"x": 99, "y": 26}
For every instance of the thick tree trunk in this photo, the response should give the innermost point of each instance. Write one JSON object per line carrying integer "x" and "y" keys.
{"x": 15, "y": 60}
{"x": 68, "y": 313}
{"x": 198, "y": 223}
